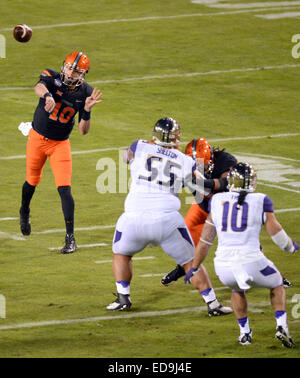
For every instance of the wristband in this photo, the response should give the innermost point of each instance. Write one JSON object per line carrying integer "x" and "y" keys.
{"x": 85, "y": 115}
{"x": 48, "y": 94}
{"x": 206, "y": 242}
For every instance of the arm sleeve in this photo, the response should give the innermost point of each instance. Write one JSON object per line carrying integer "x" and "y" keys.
{"x": 268, "y": 206}
{"x": 88, "y": 92}
{"x": 210, "y": 184}
{"x": 133, "y": 147}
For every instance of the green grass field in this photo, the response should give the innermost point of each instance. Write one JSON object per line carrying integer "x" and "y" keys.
{"x": 228, "y": 77}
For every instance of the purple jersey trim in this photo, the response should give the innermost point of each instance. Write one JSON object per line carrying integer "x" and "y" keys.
{"x": 268, "y": 205}
{"x": 118, "y": 236}
{"x": 124, "y": 283}
{"x": 267, "y": 271}
{"x": 133, "y": 147}
{"x": 194, "y": 168}
{"x": 185, "y": 235}
{"x": 209, "y": 206}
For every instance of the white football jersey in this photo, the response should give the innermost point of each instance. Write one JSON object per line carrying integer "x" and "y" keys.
{"x": 239, "y": 230}
{"x": 157, "y": 176}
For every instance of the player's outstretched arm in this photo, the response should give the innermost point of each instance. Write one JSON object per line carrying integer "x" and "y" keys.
{"x": 278, "y": 235}
{"x": 85, "y": 122}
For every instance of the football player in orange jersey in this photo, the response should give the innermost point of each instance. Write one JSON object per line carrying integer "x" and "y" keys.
{"x": 61, "y": 96}
{"x": 215, "y": 164}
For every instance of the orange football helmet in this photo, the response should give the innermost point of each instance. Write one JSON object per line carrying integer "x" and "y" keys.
{"x": 80, "y": 64}
{"x": 201, "y": 149}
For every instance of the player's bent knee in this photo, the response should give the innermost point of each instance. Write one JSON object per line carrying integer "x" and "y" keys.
{"x": 33, "y": 180}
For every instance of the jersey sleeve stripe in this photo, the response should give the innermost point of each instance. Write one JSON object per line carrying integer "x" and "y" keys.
{"x": 133, "y": 147}
{"x": 47, "y": 73}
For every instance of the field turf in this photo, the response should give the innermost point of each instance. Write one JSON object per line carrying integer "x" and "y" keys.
{"x": 229, "y": 78}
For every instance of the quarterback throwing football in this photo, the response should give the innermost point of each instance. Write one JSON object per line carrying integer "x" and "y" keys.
{"x": 61, "y": 96}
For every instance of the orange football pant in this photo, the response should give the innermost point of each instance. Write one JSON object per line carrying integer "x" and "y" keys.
{"x": 60, "y": 158}
{"x": 195, "y": 219}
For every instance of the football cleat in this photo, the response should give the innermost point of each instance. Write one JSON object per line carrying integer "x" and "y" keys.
{"x": 215, "y": 308}
{"x": 245, "y": 338}
{"x": 283, "y": 335}
{"x": 173, "y": 276}
{"x": 70, "y": 246}
{"x": 25, "y": 225}
{"x": 286, "y": 283}
{"x": 123, "y": 302}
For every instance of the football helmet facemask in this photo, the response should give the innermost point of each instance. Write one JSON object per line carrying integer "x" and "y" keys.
{"x": 79, "y": 63}
{"x": 201, "y": 149}
{"x": 166, "y": 133}
{"x": 242, "y": 177}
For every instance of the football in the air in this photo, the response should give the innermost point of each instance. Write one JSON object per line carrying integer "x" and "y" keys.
{"x": 22, "y": 33}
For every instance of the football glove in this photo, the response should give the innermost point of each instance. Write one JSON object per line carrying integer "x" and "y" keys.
{"x": 296, "y": 246}
{"x": 190, "y": 274}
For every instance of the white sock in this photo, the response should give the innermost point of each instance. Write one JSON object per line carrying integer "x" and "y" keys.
{"x": 281, "y": 320}
{"x": 208, "y": 295}
{"x": 123, "y": 287}
{"x": 244, "y": 325}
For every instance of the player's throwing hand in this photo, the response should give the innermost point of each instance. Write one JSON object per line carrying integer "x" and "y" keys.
{"x": 49, "y": 104}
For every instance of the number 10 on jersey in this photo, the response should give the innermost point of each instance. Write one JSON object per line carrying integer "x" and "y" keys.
{"x": 234, "y": 217}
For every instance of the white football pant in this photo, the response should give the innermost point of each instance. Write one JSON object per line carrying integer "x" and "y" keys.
{"x": 135, "y": 230}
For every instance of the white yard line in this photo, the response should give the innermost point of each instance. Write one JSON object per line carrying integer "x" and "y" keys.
{"x": 171, "y": 76}
{"x": 7, "y": 219}
{"x": 134, "y": 258}
{"x": 102, "y": 318}
{"x": 100, "y": 150}
{"x": 254, "y": 137}
{"x": 279, "y": 187}
{"x": 270, "y": 156}
{"x": 263, "y": 4}
{"x": 58, "y": 230}
{"x": 104, "y": 227}
{"x": 158, "y": 18}
{"x": 5, "y": 235}
{"x": 287, "y": 210}
{"x": 117, "y": 315}
{"x": 278, "y": 16}
{"x": 215, "y": 289}
{"x": 13, "y": 157}
{"x": 152, "y": 275}
{"x": 81, "y": 246}
{"x": 194, "y": 74}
